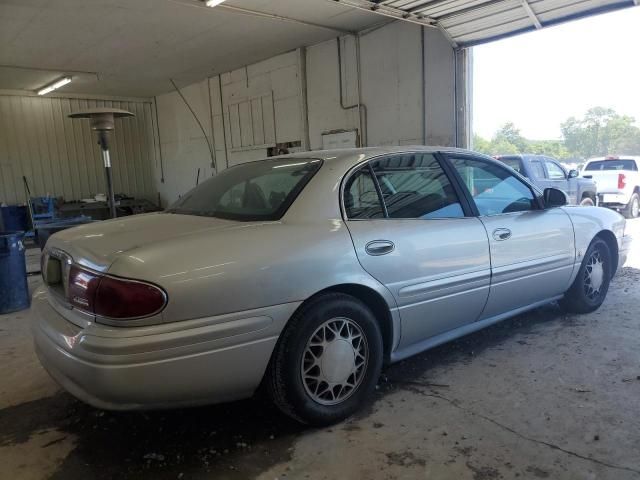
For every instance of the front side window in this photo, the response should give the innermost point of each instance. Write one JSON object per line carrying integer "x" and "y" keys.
{"x": 555, "y": 172}
{"x": 494, "y": 189}
{"x": 416, "y": 186}
{"x": 261, "y": 190}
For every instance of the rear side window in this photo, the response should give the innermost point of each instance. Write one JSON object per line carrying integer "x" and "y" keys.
{"x": 416, "y": 186}
{"x": 538, "y": 169}
{"x": 513, "y": 162}
{"x": 612, "y": 165}
{"x": 261, "y": 190}
{"x": 361, "y": 198}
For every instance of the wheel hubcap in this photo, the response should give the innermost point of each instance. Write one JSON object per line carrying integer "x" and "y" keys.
{"x": 635, "y": 207}
{"x": 334, "y": 361}
{"x": 594, "y": 275}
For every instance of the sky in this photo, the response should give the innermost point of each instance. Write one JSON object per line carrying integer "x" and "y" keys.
{"x": 539, "y": 79}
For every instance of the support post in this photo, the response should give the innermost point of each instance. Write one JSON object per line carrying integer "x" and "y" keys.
{"x": 106, "y": 158}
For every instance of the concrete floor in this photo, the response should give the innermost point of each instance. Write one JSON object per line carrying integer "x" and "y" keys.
{"x": 543, "y": 395}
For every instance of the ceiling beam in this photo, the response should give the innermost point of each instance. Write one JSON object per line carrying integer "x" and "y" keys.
{"x": 395, "y": 13}
{"x": 386, "y": 11}
{"x": 257, "y": 13}
{"x": 532, "y": 15}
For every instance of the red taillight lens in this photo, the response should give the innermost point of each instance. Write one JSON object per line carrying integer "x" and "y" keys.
{"x": 82, "y": 288}
{"x": 121, "y": 298}
{"x": 117, "y": 298}
{"x": 622, "y": 181}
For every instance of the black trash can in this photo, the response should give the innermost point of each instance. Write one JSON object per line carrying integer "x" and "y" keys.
{"x": 14, "y": 289}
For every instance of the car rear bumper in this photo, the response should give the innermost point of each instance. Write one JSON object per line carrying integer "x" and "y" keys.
{"x": 193, "y": 362}
{"x": 613, "y": 200}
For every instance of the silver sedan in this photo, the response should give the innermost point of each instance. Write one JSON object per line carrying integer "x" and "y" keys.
{"x": 306, "y": 273}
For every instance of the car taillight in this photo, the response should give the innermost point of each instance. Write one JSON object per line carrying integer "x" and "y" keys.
{"x": 81, "y": 290}
{"x": 113, "y": 297}
{"x": 121, "y": 298}
{"x": 622, "y": 181}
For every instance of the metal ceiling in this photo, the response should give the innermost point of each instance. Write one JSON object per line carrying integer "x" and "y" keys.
{"x": 133, "y": 48}
{"x": 471, "y": 22}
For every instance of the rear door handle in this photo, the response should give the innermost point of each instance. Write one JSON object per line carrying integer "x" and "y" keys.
{"x": 379, "y": 247}
{"x": 501, "y": 234}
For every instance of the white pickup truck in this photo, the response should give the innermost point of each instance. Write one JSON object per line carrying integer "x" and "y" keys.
{"x": 618, "y": 182}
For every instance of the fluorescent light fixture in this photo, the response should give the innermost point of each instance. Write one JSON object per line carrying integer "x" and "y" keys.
{"x": 213, "y": 3}
{"x": 54, "y": 86}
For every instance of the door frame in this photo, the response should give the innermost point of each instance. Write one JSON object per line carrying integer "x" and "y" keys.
{"x": 466, "y": 202}
{"x": 537, "y": 194}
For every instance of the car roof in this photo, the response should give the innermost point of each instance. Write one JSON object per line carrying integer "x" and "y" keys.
{"x": 525, "y": 156}
{"x": 615, "y": 157}
{"x": 352, "y": 156}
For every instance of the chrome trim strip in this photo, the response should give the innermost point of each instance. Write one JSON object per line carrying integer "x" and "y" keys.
{"x": 444, "y": 282}
{"x": 454, "y": 294}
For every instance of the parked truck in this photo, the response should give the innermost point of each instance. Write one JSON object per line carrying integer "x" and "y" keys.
{"x": 618, "y": 182}
{"x": 547, "y": 172}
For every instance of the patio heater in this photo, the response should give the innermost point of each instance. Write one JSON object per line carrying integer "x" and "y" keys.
{"x": 102, "y": 122}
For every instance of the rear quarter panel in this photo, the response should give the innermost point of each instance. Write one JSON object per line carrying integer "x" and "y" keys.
{"x": 261, "y": 265}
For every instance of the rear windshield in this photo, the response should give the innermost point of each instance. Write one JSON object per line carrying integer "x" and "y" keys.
{"x": 612, "y": 165}
{"x": 513, "y": 162}
{"x": 261, "y": 190}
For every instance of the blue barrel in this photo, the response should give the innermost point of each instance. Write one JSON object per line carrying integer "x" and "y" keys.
{"x": 14, "y": 218}
{"x": 14, "y": 290}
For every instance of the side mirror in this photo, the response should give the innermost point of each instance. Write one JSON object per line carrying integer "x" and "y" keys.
{"x": 573, "y": 173}
{"x": 554, "y": 198}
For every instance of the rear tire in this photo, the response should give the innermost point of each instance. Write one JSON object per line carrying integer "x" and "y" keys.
{"x": 633, "y": 207}
{"x": 327, "y": 360}
{"x": 591, "y": 285}
{"x": 587, "y": 202}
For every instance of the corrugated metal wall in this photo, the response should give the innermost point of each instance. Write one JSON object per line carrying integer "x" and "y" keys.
{"x": 60, "y": 156}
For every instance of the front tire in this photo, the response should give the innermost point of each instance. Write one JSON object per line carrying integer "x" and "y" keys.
{"x": 327, "y": 361}
{"x": 633, "y": 207}
{"x": 587, "y": 202}
{"x": 591, "y": 285}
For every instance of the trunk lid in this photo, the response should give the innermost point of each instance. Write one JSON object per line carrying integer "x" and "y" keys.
{"x": 97, "y": 245}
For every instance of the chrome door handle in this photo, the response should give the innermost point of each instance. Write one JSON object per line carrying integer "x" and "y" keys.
{"x": 500, "y": 234}
{"x": 379, "y": 247}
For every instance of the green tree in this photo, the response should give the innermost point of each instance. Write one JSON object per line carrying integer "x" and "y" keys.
{"x": 508, "y": 141}
{"x": 601, "y": 132}
{"x": 508, "y": 134}
{"x": 552, "y": 148}
{"x": 481, "y": 145}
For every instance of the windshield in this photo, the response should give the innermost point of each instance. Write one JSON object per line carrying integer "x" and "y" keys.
{"x": 261, "y": 190}
{"x": 612, "y": 165}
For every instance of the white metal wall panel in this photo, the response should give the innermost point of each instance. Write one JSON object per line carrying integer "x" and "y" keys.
{"x": 252, "y": 123}
{"x": 60, "y": 156}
